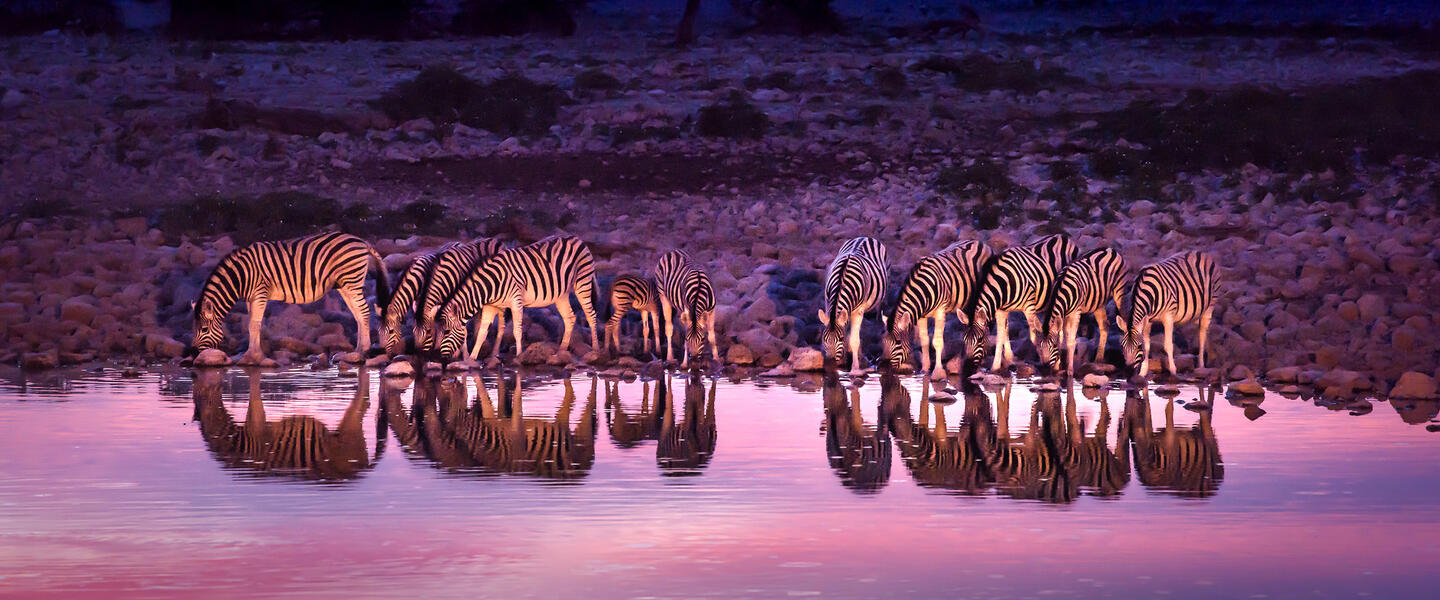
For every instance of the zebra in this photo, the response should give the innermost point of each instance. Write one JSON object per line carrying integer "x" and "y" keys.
{"x": 299, "y": 271}
{"x": 854, "y": 284}
{"x": 685, "y": 288}
{"x": 1176, "y": 290}
{"x": 640, "y": 293}
{"x": 544, "y": 273}
{"x": 1083, "y": 286}
{"x": 449, "y": 270}
{"x": 937, "y": 284}
{"x": 1016, "y": 279}
{"x": 406, "y": 297}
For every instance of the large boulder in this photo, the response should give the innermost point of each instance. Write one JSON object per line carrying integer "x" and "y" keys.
{"x": 78, "y": 310}
{"x": 739, "y": 354}
{"x": 211, "y": 357}
{"x": 1415, "y": 385}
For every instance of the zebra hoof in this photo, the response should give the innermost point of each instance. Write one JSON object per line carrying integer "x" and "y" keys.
{"x": 938, "y": 375}
{"x": 250, "y": 359}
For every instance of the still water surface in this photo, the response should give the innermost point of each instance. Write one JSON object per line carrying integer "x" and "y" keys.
{"x": 227, "y": 483}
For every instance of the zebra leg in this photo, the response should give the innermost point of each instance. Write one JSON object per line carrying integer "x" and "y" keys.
{"x": 1072, "y": 326}
{"x": 612, "y": 328}
{"x": 1101, "y": 334}
{"x": 710, "y": 333}
{"x": 1145, "y": 355}
{"x": 499, "y": 329}
{"x": 360, "y": 309}
{"x": 1169, "y": 323}
{"x": 517, "y": 314}
{"x": 254, "y": 354}
{"x": 922, "y": 336}
{"x": 938, "y": 343}
{"x": 1002, "y": 338}
{"x": 855, "y": 320}
{"x": 482, "y": 329}
{"x": 669, "y": 328}
{"x": 567, "y": 316}
{"x": 587, "y": 308}
{"x": 1204, "y": 333}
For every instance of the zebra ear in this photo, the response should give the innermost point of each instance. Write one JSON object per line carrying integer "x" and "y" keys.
{"x": 1120, "y": 322}
{"x": 824, "y": 318}
{"x": 884, "y": 320}
{"x": 685, "y": 318}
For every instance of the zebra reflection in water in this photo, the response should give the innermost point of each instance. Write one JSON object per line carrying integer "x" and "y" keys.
{"x": 685, "y": 436}
{"x": 859, "y": 453}
{"x": 297, "y": 446}
{"x": 936, "y": 456}
{"x": 1186, "y": 461}
{"x": 445, "y": 428}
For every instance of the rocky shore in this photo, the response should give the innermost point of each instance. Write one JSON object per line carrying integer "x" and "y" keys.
{"x": 134, "y": 165}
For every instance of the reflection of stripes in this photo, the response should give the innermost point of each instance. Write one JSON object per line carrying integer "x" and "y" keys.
{"x": 688, "y": 444}
{"x": 860, "y": 454}
{"x": 1185, "y": 461}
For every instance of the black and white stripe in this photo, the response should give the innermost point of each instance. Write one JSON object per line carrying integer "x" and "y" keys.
{"x": 1084, "y": 286}
{"x": 1176, "y": 290}
{"x": 1016, "y": 279}
{"x": 542, "y": 274}
{"x": 640, "y": 293}
{"x": 449, "y": 270}
{"x": 937, "y": 285}
{"x": 1183, "y": 461}
{"x": 854, "y": 284}
{"x": 297, "y": 271}
{"x": 685, "y": 288}
{"x": 406, "y": 298}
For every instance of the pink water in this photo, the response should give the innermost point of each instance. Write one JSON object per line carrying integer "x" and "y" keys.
{"x": 113, "y": 487}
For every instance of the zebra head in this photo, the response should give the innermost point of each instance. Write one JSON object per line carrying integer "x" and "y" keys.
{"x": 424, "y": 331}
{"x": 975, "y": 342}
{"x": 832, "y": 340}
{"x": 390, "y": 333}
{"x": 1132, "y": 339}
{"x": 895, "y": 343}
{"x": 209, "y": 329}
{"x": 1047, "y": 344}
{"x": 695, "y": 332}
{"x": 452, "y": 341}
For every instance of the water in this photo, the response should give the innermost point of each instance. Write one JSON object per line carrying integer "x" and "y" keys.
{"x": 302, "y": 483}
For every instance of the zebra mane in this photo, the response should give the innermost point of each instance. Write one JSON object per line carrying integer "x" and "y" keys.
{"x": 910, "y": 276}
{"x": 981, "y": 277}
{"x": 210, "y": 283}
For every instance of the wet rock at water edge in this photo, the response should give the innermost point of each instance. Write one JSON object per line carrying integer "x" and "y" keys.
{"x": 1094, "y": 380}
{"x": 1415, "y": 385}
{"x": 39, "y": 361}
{"x": 350, "y": 358}
{"x": 377, "y": 361}
{"x": 211, "y": 357}
{"x": 807, "y": 359}
{"x": 781, "y": 370}
{"x": 1247, "y": 387}
{"x": 739, "y": 354}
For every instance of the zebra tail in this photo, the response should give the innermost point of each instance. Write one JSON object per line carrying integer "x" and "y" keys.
{"x": 382, "y": 279}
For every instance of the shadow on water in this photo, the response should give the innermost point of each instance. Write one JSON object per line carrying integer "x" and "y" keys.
{"x": 488, "y": 437}
{"x": 293, "y": 447}
{"x": 685, "y": 435}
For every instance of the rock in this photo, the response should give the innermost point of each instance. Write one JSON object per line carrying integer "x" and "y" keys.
{"x": 1094, "y": 380}
{"x": 761, "y": 311}
{"x": 168, "y": 347}
{"x": 1343, "y": 379}
{"x": 78, "y": 310}
{"x": 739, "y": 354}
{"x": 13, "y": 98}
{"x": 1348, "y": 311}
{"x": 1283, "y": 374}
{"x": 1025, "y": 370}
{"x": 1289, "y": 389}
{"x": 1414, "y": 385}
{"x": 1247, "y": 387}
{"x": 942, "y": 398}
{"x": 462, "y": 365}
{"x": 1371, "y": 306}
{"x": 39, "y": 361}
{"x": 377, "y": 361}
{"x": 1253, "y": 412}
{"x": 537, "y": 353}
{"x": 1048, "y": 386}
{"x": 211, "y": 357}
{"x": 782, "y": 370}
{"x": 399, "y": 368}
{"x": 1241, "y": 372}
{"x": 807, "y": 359}
{"x": 351, "y": 358}
{"x": 1168, "y": 389}
{"x": 1141, "y": 208}
{"x": 560, "y": 359}
{"x": 628, "y": 362}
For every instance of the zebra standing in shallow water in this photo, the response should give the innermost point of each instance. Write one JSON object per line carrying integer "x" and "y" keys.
{"x": 1017, "y": 279}
{"x": 684, "y": 287}
{"x": 1084, "y": 286}
{"x": 406, "y": 298}
{"x": 450, "y": 269}
{"x": 1176, "y": 290}
{"x": 640, "y": 293}
{"x": 938, "y": 284}
{"x": 542, "y": 274}
{"x": 854, "y": 284}
{"x": 298, "y": 271}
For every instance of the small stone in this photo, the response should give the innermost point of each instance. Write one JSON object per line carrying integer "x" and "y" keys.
{"x": 12, "y": 98}
{"x": 399, "y": 368}
{"x": 377, "y": 361}
{"x": 77, "y": 310}
{"x": 782, "y": 370}
{"x": 211, "y": 357}
{"x": 39, "y": 361}
{"x": 807, "y": 359}
{"x": 560, "y": 359}
{"x": 1372, "y": 307}
{"x": 1094, "y": 380}
{"x": 1241, "y": 372}
{"x": 1283, "y": 374}
{"x": 942, "y": 398}
{"x": 1247, "y": 387}
{"x": 351, "y": 358}
{"x": 1025, "y": 370}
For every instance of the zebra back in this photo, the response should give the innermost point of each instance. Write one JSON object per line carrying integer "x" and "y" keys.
{"x": 451, "y": 268}
{"x": 1084, "y": 285}
{"x": 1183, "y": 284}
{"x": 539, "y": 274}
{"x": 856, "y": 279}
{"x": 684, "y": 284}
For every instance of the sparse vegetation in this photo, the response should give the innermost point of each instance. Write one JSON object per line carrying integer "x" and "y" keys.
{"x": 984, "y": 178}
{"x": 509, "y": 105}
{"x": 1335, "y": 127}
{"x": 282, "y": 215}
{"x": 890, "y": 82}
{"x": 596, "y": 79}
{"x": 979, "y": 73}
{"x": 779, "y": 80}
{"x": 733, "y": 117}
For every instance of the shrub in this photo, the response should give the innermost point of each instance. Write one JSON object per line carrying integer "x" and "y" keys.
{"x": 506, "y": 106}
{"x": 733, "y": 117}
{"x": 595, "y": 79}
{"x": 979, "y": 73}
{"x": 890, "y": 82}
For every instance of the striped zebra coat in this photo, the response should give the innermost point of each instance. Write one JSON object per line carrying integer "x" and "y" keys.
{"x": 1017, "y": 279}
{"x": 640, "y": 293}
{"x": 406, "y": 298}
{"x": 544, "y": 273}
{"x": 685, "y": 288}
{"x": 1085, "y": 285}
{"x": 1175, "y": 291}
{"x": 449, "y": 270}
{"x": 298, "y": 271}
{"x": 854, "y": 285}
{"x": 937, "y": 285}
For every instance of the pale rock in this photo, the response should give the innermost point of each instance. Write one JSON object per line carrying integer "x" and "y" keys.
{"x": 1094, "y": 380}
{"x": 739, "y": 354}
{"x": 1413, "y": 384}
{"x": 807, "y": 359}
{"x": 1247, "y": 387}
{"x": 211, "y": 357}
{"x": 399, "y": 368}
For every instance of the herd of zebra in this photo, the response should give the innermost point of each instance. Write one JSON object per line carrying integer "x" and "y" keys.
{"x": 1048, "y": 281}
